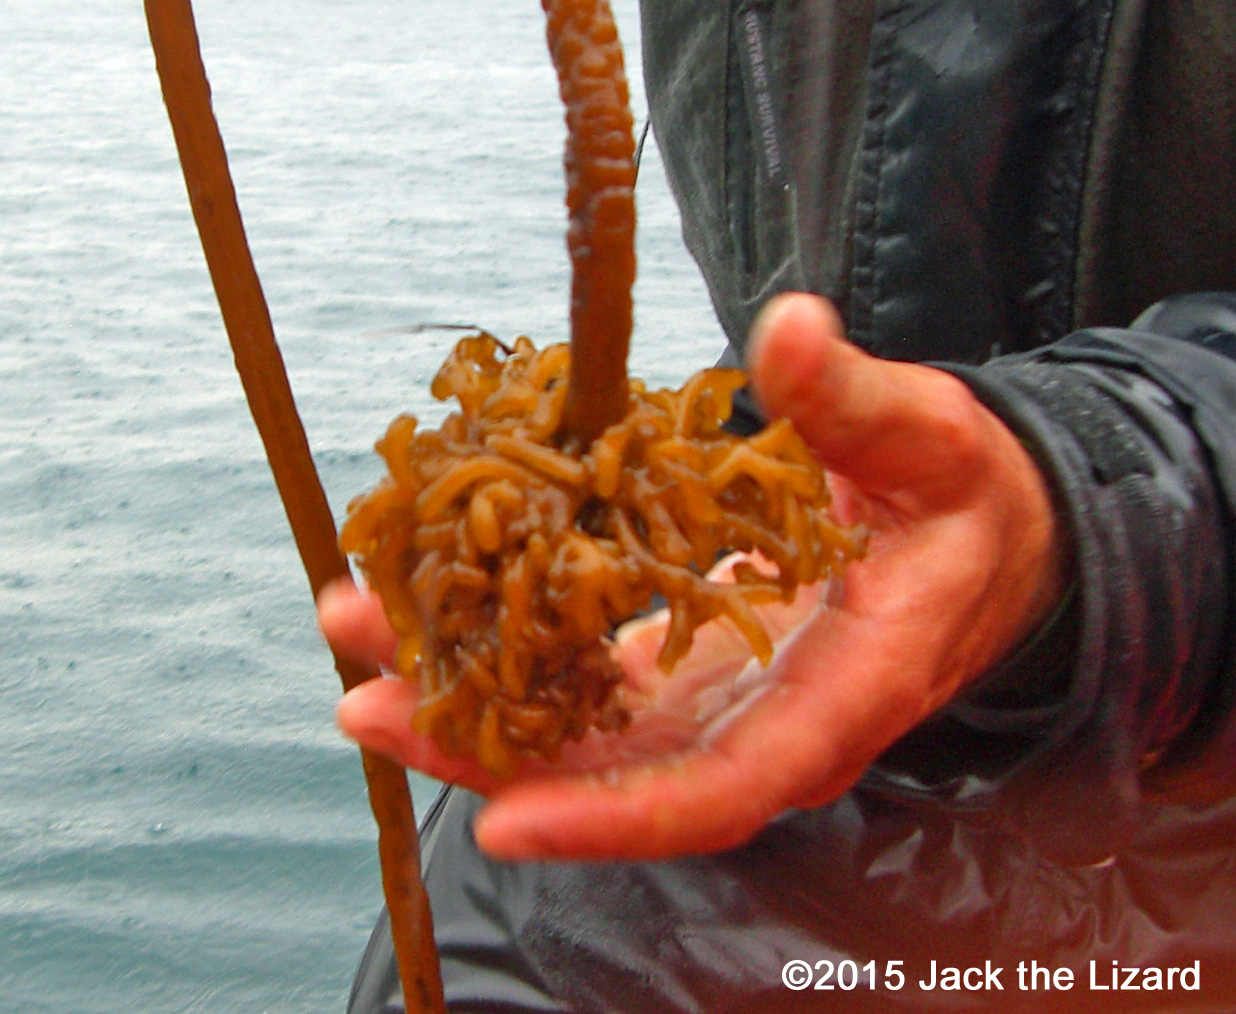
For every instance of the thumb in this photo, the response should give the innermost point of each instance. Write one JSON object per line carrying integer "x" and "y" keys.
{"x": 884, "y": 425}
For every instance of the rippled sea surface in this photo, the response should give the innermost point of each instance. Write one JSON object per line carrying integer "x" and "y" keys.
{"x": 181, "y": 827}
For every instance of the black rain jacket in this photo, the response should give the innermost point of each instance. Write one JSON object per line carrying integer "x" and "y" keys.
{"x": 1040, "y": 196}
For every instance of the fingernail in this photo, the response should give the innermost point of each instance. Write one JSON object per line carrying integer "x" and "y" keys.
{"x": 768, "y": 314}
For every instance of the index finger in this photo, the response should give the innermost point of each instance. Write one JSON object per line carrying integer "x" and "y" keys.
{"x": 355, "y": 624}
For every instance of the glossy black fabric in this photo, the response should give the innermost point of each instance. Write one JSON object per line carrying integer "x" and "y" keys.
{"x": 869, "y": 879}
{"x": 963, "y": 169}
{"x": 1075, "y": 805}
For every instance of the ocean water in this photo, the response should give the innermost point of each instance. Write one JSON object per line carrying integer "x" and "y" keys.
{"x": 181, "y": 826}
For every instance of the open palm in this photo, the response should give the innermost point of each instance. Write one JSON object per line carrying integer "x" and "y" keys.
{"x": 964, "y": 560}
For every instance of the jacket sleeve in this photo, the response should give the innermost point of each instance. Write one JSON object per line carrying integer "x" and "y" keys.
{"x": 1127, "y": 693}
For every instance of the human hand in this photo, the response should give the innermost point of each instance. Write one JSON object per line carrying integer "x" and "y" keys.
{"x": 964, "y": 560}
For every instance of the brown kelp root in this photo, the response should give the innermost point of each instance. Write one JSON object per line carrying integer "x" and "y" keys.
{"x": 503, "y": 562}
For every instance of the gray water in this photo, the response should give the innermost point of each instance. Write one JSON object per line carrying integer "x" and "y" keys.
{"x": 181, "y": 827}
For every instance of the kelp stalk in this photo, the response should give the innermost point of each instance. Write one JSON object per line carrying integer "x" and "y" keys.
{"x": 186, "y": 92}
{"x": 600, "y": 178}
